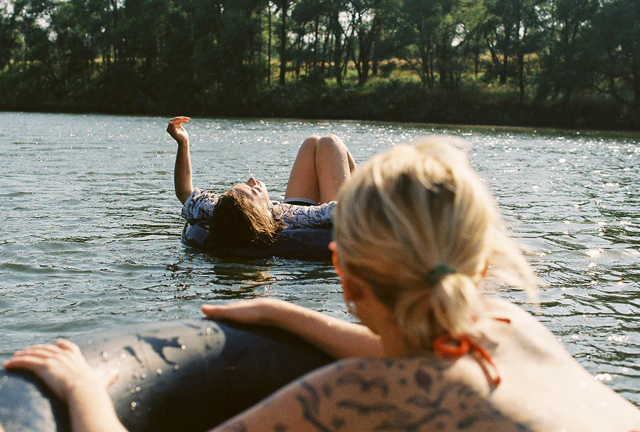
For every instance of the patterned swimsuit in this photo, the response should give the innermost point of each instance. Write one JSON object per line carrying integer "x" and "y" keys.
{"x": 200, "y": 205}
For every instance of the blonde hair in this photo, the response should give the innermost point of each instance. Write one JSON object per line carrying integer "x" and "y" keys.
{"x": 238, "y": 223}
{"x": 418, "y": 225}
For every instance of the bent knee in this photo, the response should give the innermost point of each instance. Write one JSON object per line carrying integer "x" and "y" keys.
{"x": 330, "y": 141}
{"x": 331, "y": 138}
{"x": 311, "y": 140}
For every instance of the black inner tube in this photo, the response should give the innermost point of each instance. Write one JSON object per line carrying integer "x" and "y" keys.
{"x": 185, "y": 375}
{"x": 300, "y": 243}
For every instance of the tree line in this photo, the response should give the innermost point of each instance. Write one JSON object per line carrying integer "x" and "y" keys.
{"x": 547, "y": 62}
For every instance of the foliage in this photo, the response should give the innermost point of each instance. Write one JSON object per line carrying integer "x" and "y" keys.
{"x": 481, "y": 61}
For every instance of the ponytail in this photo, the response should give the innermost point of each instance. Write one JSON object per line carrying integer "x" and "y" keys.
{"x": 451, "y": 305}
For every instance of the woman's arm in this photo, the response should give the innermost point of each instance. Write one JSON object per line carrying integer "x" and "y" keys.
{"x": 336, "y": 337}
{"x": 66, "y": 372}
{"x": 182, "y": 171}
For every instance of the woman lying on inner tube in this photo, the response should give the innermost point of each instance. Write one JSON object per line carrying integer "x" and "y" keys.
{"x": 244, "y": 216}
{"x": 416, "y": 233}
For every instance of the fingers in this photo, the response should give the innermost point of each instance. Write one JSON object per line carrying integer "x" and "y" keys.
{"x": 36, "y": 356}
{"x": 179, "y": 120}
{"x": 37, "y": 351}
{"x": 29, "y": 359}
{"x": 212, "y": 311}
{"x": 111, "y": 376}
{"x": 232, "y": 311}
{"x": 68, "y": 345}
{"x": 175, "y": 128}
{"x": 255, "y": 311}
{"x": 226, "y": 311}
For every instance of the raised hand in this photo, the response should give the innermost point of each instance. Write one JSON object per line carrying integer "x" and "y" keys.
{"x": 176, "y": 130}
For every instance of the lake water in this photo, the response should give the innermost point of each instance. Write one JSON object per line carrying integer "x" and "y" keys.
{"x": 91, "y": 227}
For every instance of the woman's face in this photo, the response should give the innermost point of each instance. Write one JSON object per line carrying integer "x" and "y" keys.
{"x": 255, "y": 190}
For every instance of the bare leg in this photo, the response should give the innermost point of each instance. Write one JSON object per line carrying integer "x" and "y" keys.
{"x": 321, "y": 167}
{"x": 333, "y": 165}
{"x": 303, "y": 179}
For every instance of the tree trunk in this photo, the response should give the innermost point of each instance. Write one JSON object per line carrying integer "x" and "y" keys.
{"x": 283, "y": 42}
{"x": 269, "y": 45}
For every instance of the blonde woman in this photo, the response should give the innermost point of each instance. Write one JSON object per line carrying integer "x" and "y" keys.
{"x": 416, "y": 234}
{"x": 245, "y": 216}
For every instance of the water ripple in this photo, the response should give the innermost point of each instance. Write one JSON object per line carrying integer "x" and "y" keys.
{"x": 91, "y": 225}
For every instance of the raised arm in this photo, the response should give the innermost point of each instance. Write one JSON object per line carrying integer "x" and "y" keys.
{"x": 338, "y": 338}
{"x": 182, "y": 171}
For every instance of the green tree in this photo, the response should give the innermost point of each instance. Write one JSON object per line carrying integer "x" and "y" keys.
{"x": 416, "y": 37}
{"x": 305, "y": 19}
{"x": 368, "y": 19}
{"x": 334, "y": 9}
{"x": 430, "y": 35}
{"x": 8, "y": 38}
{"x": 142, "y": 32}
{"x": 225, "y": 51}
{"x": 568, "y": 64}
{"x": 35, "y": 60}
{"x": 73, "y": 28}
{"x": 513, "y": 29}
{"x": 284, "y": 7}
{"x": 616, "y": 32}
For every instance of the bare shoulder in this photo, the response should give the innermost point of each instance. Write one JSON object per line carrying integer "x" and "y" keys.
{"x": 523, "y": 328}
{"x": 410, "y": 393}
{"x": 560, "y": 393}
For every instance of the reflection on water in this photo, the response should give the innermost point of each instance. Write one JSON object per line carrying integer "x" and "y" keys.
{"x": 91, "y": 226}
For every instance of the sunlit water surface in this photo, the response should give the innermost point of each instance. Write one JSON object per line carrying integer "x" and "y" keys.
{"x": 90, "y": 234}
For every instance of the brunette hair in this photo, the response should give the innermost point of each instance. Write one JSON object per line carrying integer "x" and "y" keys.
{"x": 419, "y": 227}
{"x": 238, "y": 223}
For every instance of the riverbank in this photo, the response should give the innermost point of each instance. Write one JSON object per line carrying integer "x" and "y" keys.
{"x": 383, "y": 99}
